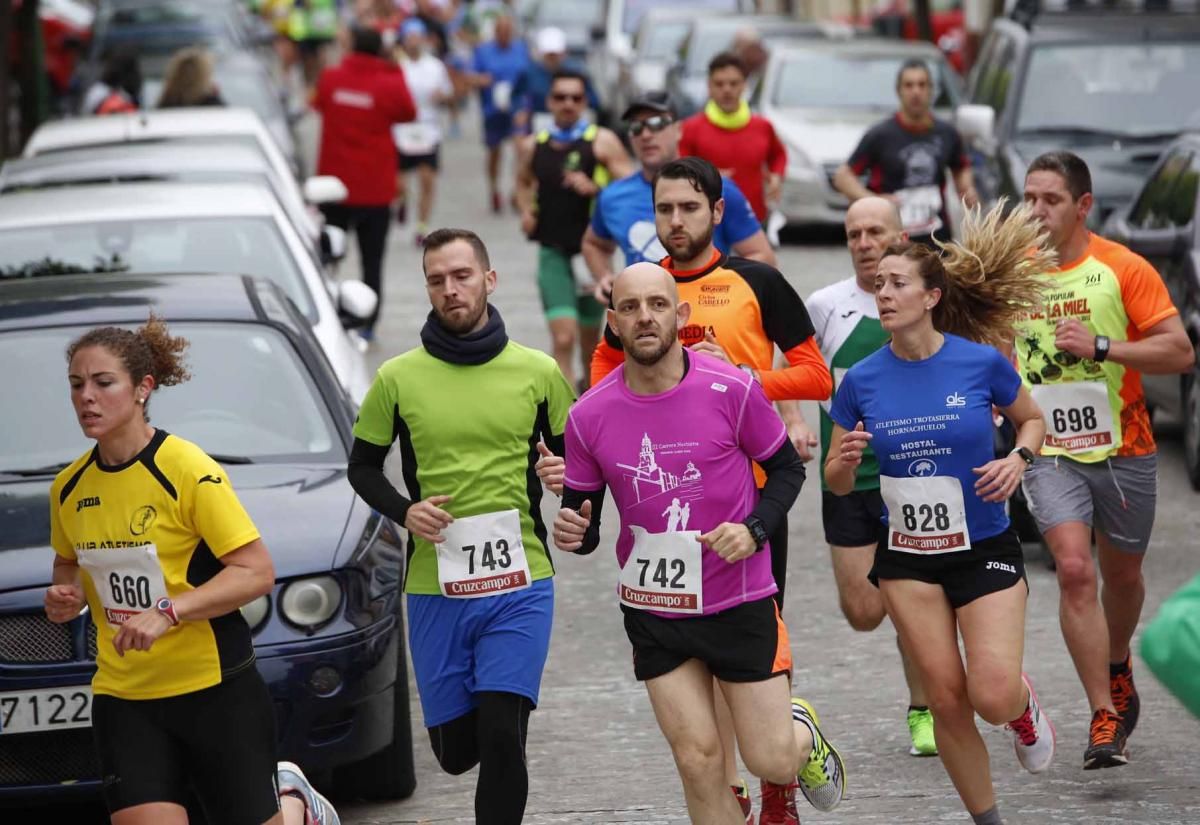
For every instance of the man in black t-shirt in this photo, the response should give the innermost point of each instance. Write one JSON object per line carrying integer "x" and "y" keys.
{"x": 905, "y": 159}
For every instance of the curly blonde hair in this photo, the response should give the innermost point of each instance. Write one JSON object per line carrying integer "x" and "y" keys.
{"x": 989, "y": 279}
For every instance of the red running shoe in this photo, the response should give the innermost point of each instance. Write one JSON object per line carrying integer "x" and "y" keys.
{"x": 779, "y": 804}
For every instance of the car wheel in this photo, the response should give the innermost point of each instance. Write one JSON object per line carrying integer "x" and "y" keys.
{"x": 388, "y": 774}
{"x": 1191, "y": 427}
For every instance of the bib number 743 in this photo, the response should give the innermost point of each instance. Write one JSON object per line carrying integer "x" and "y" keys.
{"x": 489, "y": 559}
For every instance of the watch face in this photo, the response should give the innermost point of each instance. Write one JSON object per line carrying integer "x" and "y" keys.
{"x": 163, "y": 603}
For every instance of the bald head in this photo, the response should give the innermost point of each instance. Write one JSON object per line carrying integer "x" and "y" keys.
{"x": 644, "y": 276}
{"x": 646, "y": 313}
{"x": 872, "y": 225}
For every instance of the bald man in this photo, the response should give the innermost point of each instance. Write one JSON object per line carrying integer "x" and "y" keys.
{"x": 846, "y": 322}
{"x": 668, "y": 425}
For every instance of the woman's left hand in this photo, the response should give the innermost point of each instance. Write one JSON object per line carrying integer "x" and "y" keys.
{"x": 141, "y": 631}
{"x": 998, "y": 479}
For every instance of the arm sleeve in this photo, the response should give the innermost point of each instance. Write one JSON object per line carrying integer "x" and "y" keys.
{"x": 957, "y": 159}
{"x": 366, "y": 476}
{"x": 785, "y": 476}
{"x": 582, "y": 471}
{"x": 785, "y": 321}
{"x": 573, "y": 499}
{"x": 1144, "y": 294}
{"x": 739, "y": 221}
{"x": 402, "y": 108}
{"x": 1004, "y": 380}
{"x": 605, "y": 358}
{"x": 216, "y": 514}
{"x": 687, "y": 142}
{"x": 819, "y": 310}
{"x": 559, "y": 398}
{"x": 598, "y": 225}
{"x": 845, "y": 410}
{"x": 863, "y": 156}
{"x": 806, "y": 377}
{"x": 58, "y": 537}
{"x": 776, "y": 152}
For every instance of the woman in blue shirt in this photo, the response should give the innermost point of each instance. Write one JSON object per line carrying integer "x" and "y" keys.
{"x": 947, "y": 560}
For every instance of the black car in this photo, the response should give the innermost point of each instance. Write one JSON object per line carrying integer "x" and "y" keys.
{"x": 1113, "y": 86}
{"x": 264, "y": 401}
{"x": 1161, "y": 226}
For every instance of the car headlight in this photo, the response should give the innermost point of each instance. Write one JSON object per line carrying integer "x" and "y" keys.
{"x": 255, "y": 613}
{"x": 309, "y": 603}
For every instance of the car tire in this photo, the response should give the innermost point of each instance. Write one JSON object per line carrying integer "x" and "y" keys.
{"x": 1191, "y": 427}
{"x": 388, "y": 774}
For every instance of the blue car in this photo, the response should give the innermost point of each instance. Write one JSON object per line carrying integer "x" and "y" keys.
{"x": 264, "y": 402}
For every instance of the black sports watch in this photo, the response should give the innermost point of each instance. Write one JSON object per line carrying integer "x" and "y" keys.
{"x": 1102, "y": 344}
{"x": 1025, "y": 453}
{"x": 757, "y": 532}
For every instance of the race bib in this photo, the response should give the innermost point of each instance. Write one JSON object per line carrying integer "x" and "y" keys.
{"x": 415, "y": 138}
{"x": 1078, "y": 416}
{"x": 920, "y": 209}
{"x": 502, "y": 95}
{"x": 663, "y": 572}
{"x": 926, "y": 516}
{"x": 128, "y": 580}
{"x": 483, "y": 556}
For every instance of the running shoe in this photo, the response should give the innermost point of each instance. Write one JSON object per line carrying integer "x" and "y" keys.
{"x": 823, "y": 778}
{"x": 1125, "y": 696}
{"x": 1033, "y": 734}
{"x": 317, "y": 810}
{"x": 920, "y": 730}
{"x": 742, "y": 791}
{"x": 1106, "y": 742}
{"x": 778, "y": 804}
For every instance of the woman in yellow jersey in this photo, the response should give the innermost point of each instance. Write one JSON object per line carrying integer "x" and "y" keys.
{"x": 150, "y": 536}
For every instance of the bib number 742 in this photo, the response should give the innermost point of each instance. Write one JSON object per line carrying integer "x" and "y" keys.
{"x": 661, "y": 576}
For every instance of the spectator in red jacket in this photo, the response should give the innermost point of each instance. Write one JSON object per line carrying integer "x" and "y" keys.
{"x": 359, "y": 100}
{"x": 741, "y": 144}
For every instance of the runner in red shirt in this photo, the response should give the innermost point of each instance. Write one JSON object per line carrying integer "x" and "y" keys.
{"x": 742, "y": 145}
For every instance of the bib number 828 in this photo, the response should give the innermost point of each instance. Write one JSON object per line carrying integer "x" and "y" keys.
{"x": 926, "y": 517}
{"x": 1074, "y": 419}
{"x": 130, "y": 591}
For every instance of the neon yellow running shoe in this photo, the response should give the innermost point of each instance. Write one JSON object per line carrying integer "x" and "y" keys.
{"x": 823, "y": 778}
{"x": 920, "y": 728}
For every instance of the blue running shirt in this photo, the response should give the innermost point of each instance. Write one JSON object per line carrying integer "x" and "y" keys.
{"x": 932, "y": 419}
{"x": 624, "y": 214}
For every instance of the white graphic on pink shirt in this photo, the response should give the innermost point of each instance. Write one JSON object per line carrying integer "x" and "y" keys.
{"x": 650, "y": 481}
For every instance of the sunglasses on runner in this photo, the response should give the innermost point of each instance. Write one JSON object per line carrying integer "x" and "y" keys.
{"x": 654, "y": 124}
{"x": 560, "y": 97}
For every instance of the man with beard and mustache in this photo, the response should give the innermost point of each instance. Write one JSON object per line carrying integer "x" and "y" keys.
{"x": 475, "y": 413}
{"x": 669, "y": 424}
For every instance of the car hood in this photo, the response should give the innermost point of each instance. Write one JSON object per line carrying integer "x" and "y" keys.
{"x": 825, "y": 135}
{"x": 1118, "y": 169}
{"x": 300, "y": 510}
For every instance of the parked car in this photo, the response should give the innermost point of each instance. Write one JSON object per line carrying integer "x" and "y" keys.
{"x": 1113, "y": 86}
{"x": 1161, "y": 226}
{"x": 687, "y": 80}
{"x": 822, "y": 97}
{"x": 329, "y": 638}
{"x": 184, "y": 228}
{"x": 612, "y": 40}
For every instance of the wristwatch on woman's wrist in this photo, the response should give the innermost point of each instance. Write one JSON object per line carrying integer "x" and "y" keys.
{"x": 167, "y": 607}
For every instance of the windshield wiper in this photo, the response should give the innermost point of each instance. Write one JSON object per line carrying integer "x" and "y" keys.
{"x": 1103, "y": 134}
{"x": 32, "y": 472}
{"x": 230, "y": 459}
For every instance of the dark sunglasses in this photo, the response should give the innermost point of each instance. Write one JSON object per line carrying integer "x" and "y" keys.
{"x": 559, "y": 97}
{"x": 654, "y": 124}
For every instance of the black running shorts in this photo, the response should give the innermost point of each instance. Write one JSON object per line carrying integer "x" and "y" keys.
{"x": 991, "y": 565}
{"x": 409, "y": 162}
{"x": 852, "y": 520}
{"x": 219, "y": 742}
{"x": 747, "y": 643}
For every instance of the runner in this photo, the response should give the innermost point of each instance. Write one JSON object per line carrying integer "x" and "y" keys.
{"x": 418, "y": 143}
{"x": 947, "y": 561}
{"x": 560, "y": 171}
{"x": 697, "y": 600}
{"x": 175, "y": 679}
{"x": 846, "y": 323}
{"x": 312, "y": 26}
{"x": 1108, "y": 319}
{"x": 741, "y": 144}
{"x": 478, "y": 578}
{"x": 624, "y": 212}
{"x": 905, "y": 158}
{"x": 723, "y": 292}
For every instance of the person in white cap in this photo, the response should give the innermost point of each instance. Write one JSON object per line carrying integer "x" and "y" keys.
{"x": 533, "y": 86}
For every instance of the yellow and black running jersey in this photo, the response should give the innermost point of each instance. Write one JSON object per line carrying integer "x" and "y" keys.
{"x": 156, "y": 525}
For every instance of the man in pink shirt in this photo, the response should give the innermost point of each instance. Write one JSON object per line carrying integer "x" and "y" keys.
{"x": 673, "y": 433}
{"x": 728, "y": 135}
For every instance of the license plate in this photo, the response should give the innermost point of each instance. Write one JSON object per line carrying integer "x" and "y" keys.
{"x": 29, "y": 711}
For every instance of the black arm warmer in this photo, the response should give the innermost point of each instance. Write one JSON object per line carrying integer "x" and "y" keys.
{"x": 574, "y": 499}
{"x": 785, "y": 476}
{"x": 366, "y": 477}
{"x": 556, "y": 443}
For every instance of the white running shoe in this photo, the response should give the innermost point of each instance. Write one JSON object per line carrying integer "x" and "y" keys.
{"x": 292, "y": 780}
{"x": 1033, "y": 734}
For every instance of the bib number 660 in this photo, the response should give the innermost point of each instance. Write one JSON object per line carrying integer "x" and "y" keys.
{"x": 130, "y": 591}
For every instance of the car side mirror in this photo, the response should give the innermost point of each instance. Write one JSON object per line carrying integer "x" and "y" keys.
{"x": 976, "y": 123}
{"x": 356, "y": 303}
{"x": 325, "y": 189}
{"x": 1160, "y": 243}
{"x": 596, "y": 33}
{"x": 333, "y": 243}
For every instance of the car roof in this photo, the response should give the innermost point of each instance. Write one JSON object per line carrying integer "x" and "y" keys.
{"x": 860, "y": 47}
{"x": 143, "y": 125}
{"x": 760, "y": 21}
{"x": 135, "y": 201}
{"x": 1114, "y": 25}
{"x": 70, "y": 300}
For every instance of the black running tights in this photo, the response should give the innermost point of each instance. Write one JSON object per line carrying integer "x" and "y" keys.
{"x": 491, "y": 736}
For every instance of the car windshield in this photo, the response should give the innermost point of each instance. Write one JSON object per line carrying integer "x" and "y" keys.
{"x": 662, "y": 42}
{"x": 1125, "y": 89}
{"x": 566, "y": 13}
{"x": 829, "y": 80}
{"x": 242, "y": 246}
{"x": 266, "y": 410}
{"x": 634, "y": 9}
{"x": 163, "y": 27}
{"x": 706, "y": 42}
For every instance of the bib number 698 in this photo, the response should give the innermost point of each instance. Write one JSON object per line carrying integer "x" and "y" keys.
{"x": 1074, "y": 419}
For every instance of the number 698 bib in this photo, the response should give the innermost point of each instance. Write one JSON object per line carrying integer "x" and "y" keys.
{"x": 128, "y": 580}
{"x": 483, "y": 556}
{"x": 663, "y": 572}
{"x": 1078, "y": 416}
{"x": 926, "y": 516}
